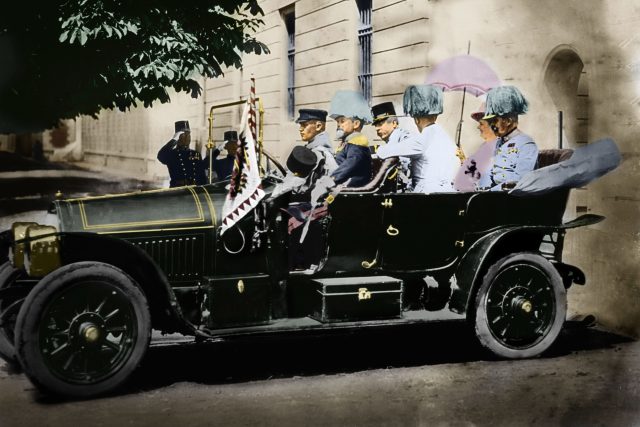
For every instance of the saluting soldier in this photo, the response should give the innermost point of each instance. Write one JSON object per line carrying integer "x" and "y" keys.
{"x": 434, "y": 162}
{"x": 224, "y": 167}
{"x": 516, "y": 153}
{"x": 186, "y": 166}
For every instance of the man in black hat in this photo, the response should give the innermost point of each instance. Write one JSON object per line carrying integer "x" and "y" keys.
{"x": 313, "y": 132}
{"x": 386, "y": 123}
{"x": 186, "y": 166}
{"x": 224, "y": 167}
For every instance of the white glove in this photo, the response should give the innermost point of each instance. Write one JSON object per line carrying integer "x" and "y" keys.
{"x": 176, "y": 136}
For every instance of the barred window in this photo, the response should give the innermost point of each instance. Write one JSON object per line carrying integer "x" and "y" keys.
{"x": 290, "y": 23}
{"x": 365, "y": 32}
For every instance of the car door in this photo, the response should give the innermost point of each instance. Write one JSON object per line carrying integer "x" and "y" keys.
{"x": 421, "y": 231}
{"x": 354, "y": 232}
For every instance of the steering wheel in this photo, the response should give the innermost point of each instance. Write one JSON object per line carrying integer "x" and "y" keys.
{"x": 272, "y": 168}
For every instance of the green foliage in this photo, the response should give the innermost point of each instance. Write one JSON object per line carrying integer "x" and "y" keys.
{"x": 78, "y": 56}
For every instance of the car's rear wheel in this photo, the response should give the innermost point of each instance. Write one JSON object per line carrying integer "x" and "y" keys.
{"x": 11, "y": 299}
{"x": 520, "y": 307}
{"x": 83, "y": 330}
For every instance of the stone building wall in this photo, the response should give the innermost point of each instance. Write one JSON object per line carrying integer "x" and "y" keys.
{"x": 580, "y": 57}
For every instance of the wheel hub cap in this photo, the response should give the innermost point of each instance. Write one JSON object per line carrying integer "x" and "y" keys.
{"x": 91, "y": 333}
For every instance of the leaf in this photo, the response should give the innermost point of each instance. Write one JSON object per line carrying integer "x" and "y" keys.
{"x": 83, "y": 38}
{"x": 108, "y": 29}
{"x": 63, "y": 36}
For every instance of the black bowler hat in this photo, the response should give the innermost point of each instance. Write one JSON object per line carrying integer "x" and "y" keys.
{"x": 230, "y": 135}
{"x": 307, "y": 114}
{"x": 301, "y": 161}
{"x": 182, "y": 126}
{"x": 383, "y": 111}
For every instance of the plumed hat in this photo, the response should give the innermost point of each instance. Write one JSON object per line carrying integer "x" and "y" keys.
{"x": 349, "y": 103}
{"x": 505, "y": 100}
{"x": 301, "y": 161}
{"x": 422, "y": 100}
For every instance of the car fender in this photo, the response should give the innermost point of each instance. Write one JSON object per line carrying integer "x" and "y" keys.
{"x": 500, "y": 242}
{"x": 166, "y": 314}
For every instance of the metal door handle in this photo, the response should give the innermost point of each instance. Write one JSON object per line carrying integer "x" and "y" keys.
{"x": 392, "y": 231}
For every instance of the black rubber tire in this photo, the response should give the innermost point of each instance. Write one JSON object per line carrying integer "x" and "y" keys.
{"x": 8, "y": 276}
{"x": 536, "y": 311}
{"x": 75, "y": 296}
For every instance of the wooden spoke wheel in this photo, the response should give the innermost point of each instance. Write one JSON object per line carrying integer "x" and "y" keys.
{"x": 83, "y": 330}
{"x": 520, "y": 307}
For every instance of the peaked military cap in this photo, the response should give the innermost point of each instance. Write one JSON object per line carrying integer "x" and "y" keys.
{"x": 505, "y": 100}
{"x": 307, "y": 114}
{"x": 230, "y": 135}
{"x": 383, "y": 111}
{"x": 182, "y": 126}
{"x": 301, "y": 161}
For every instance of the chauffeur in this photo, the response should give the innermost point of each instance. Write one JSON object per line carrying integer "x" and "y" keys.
{"x": 433, "y": 153}
{"x": 186, "y": 166}
{"x": 312, "y": 131}
{"x": 516, "y": 153}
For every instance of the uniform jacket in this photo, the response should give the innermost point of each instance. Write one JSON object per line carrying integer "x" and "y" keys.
{"x": 354, "y": 161}
{"x": 223, "y": 167}
{"x": 515, "y": 155}
{"x": 434, "y": 163}
{"x": 185, "y": 165}
{"x": 321, "y": 146}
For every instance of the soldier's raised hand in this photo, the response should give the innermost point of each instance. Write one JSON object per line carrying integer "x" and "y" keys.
{"x": 176, "y": 136}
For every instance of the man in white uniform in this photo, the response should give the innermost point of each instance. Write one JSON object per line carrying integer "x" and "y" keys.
{"x": 433, "y": 153}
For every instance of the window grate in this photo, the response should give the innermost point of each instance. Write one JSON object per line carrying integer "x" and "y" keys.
{"x": 365, "y": 34}
{"x": 290, "y": 23}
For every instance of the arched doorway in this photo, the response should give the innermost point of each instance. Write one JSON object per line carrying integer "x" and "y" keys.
{"x": 567, "y": 81}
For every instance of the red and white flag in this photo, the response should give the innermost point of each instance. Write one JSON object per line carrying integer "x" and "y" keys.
{"x": 245, "y": 190}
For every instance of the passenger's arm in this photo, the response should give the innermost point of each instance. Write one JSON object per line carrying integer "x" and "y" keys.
{"x": 411, "y": 147}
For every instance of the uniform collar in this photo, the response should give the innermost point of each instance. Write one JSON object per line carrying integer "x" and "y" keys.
{"x": 510, "y": 135}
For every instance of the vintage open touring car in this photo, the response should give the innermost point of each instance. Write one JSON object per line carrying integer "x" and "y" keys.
{"x": 78, "y": 300}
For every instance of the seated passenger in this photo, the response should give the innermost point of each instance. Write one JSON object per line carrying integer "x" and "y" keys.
{"x": 350, "y": 110}
{"x": 479, "y": 164}
{"x": 312, "y": 131}
{"x": 434, "y": 162}
{"x": 515, "y": 153}
{"x": 224, "y": 167}
{"x": 386, "y": 123}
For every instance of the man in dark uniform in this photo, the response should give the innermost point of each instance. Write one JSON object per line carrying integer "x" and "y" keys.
{"x": 224, "y": 167}
{"x": 186, "y": 166}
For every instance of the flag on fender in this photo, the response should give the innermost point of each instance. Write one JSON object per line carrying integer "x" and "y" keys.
{"x": 245, "y": 189}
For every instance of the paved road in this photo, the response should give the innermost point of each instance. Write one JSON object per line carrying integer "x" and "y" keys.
{"x": 419, "y": 375}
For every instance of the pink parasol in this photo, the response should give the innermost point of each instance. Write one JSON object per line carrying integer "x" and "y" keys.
{"x": 464, "y": 72}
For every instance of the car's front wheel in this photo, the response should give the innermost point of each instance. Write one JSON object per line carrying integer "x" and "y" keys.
{"x": 83, "y": 330}
{"x": 520, "y": 307}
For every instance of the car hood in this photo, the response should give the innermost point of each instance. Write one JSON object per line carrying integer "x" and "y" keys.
{"x": 164, "y": 209}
